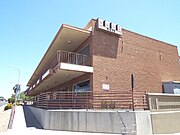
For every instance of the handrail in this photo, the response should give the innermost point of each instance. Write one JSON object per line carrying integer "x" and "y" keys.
{"x": 71, "y": 57}
{"x": 71, "y": 52}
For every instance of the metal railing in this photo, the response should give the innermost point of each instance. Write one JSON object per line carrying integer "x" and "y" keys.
{"x": 71, "y": 57}
{"x": 92, "y": 100}
{"x": 161, "y": 101}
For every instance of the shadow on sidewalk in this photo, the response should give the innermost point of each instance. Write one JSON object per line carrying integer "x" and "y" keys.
{"x": 30, "y": 119}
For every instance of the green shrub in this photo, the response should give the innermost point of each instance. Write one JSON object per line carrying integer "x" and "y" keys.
{"x": 11, "y": 100}
{"x": 8, "y": 106}
{"x": 18, "y": 104}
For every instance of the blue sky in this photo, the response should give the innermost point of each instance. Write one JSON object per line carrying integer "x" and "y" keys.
{"x": 28, "y": 27}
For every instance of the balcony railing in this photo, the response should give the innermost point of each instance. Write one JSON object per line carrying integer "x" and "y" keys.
{"x": 71, "y": 58}
{"x": 162, "y": 101}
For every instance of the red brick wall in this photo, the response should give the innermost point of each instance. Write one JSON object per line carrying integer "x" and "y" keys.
{"x": 116, "y": 58}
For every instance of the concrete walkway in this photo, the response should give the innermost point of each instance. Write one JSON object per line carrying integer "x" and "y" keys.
{"x": 19, "y": 122}
{"x": 32, "y": 131}
{"x": 24, "y": 118}
{"x": 4, "y": 119}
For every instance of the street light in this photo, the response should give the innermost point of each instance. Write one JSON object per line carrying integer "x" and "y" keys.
{"x": 18, "y": 72}
{"x": 16, "y": 88}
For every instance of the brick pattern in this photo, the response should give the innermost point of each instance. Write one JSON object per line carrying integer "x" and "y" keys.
{"x": 116, "y": 58}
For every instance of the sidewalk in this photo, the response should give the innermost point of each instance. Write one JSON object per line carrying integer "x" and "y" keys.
{"x": 4, "y": 119}
{"x": 24, "y": 119}
{"x": 19, "y": 122}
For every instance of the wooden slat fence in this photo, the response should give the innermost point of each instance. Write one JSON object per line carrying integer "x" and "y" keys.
{"x": 92, "y": 100}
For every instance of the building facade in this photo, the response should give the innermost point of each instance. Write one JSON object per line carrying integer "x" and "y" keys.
{"x": 101, "y": 58}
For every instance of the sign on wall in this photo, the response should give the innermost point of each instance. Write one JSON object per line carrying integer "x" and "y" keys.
{"x": 109, "y": 26}
{"x": 105, "y": 86}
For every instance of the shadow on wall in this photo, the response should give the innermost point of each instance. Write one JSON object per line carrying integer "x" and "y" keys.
{"x": 105, "y": 44}
{"x": 30, "y": 119}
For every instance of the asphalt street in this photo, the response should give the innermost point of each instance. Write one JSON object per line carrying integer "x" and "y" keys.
{"x": 2, "y": 103}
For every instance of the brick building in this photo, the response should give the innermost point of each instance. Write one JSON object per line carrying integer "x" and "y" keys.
{"x": 101, "y": 58}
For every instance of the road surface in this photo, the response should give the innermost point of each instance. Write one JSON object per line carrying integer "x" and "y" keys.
{"x": 2, "y": 103}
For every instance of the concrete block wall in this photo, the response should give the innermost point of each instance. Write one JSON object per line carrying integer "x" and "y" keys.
{"x": 41, "y": 115}
{"x": 95, "y": 121}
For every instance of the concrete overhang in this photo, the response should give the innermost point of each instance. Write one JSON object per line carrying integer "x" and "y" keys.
{"x": 63, "y": 73}
{"x": 68, "y": 38}
{"x": 73, "y": 67}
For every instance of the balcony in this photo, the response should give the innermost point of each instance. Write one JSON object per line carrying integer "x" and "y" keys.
{"x": 56, "y": 66}
{"x": 71, "y": 61}
{"x": 72, "y": 58}
{"x": 65, "y": 34}
{"x": 63, "y": 67}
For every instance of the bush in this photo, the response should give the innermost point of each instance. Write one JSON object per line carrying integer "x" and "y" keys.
{"x": 8, "y": 106}
{"x": 18, "y": 103}
{"x": 11, "y": 100}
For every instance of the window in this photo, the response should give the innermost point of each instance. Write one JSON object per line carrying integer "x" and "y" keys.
{"x": 85, "y": 50}
{"x": 83, "y": 86}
